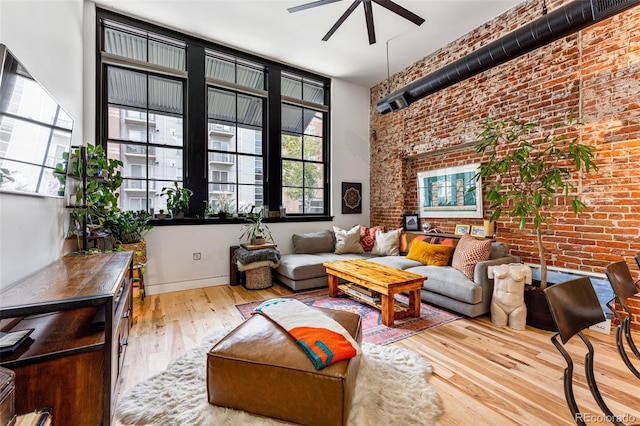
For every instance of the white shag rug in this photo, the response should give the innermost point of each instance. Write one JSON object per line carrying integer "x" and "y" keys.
{"x": 391, "y": 388}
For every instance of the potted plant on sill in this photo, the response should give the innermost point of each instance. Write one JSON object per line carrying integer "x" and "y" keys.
{"x": 177, "y": 199}
{"x": 128, "y": 226}
{"x": 524, "y": 174}
{"x": 255, "y": 231}
{"x": 223, "y": 205}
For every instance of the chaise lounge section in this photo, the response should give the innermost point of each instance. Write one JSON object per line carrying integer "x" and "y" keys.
{"x": 445, "y": 286}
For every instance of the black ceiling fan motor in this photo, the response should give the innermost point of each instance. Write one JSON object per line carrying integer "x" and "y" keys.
{"x": 368, "y": 14}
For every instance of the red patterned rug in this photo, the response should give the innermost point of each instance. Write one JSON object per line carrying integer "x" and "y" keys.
{"x": 373, "y": 331}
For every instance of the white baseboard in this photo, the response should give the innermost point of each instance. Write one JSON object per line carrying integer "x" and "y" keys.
{"x": 186, "y": 285}
{"x": 603, "y": 327}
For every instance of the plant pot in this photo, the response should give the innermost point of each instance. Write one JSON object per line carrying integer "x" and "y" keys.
{"x": 139, "y": 250}
{"x": 258, "y": 241}
{"x": 178, "y": 215}
{"x": 538, "y": 312}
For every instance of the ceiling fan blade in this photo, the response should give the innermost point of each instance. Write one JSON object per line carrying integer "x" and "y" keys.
{"x": 368, "y": 16}
{"x": 343, "y": 18}
{"x": 399, "y": 10}
{"x": 310, "y": 5}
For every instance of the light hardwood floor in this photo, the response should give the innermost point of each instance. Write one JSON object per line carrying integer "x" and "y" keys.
{"x": 485, "y": 375}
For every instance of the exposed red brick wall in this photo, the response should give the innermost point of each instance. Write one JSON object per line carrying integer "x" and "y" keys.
{"x": 633, "y": 303}
{"x": 595, "y": 72}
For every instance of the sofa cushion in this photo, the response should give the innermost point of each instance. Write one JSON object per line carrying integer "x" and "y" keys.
{"x": 430, "y": 254}
{"x": 306, "y": 266}
{"x": 398, "y": 262}
{"x": 314, "y": 242}
{"x": 470, "y": 251}
{"x": 448, "y": 281}
{"x": 498, "y": 250}
{"x": 348, "y": 241}
{"x": 388, "y": 243}
{"x": 368, "y": 236}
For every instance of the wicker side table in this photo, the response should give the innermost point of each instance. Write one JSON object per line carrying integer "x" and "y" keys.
{"x": 258, "y": 278}
{"x": 256, "y": 263}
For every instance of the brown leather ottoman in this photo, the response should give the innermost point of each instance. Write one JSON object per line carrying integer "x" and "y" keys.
{"x": 260, "y": 369}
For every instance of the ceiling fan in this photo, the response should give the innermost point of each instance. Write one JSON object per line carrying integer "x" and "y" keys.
{"x": 368, "y": 14}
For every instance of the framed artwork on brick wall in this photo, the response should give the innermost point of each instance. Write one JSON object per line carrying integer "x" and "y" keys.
{"x": 446, "y": 192}
{"x": 351, "y": 198}
{"x": 411, "y": 222}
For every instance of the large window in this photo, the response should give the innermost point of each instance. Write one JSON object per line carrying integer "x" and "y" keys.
{"x": 145, "y": 112}
{"x": 236, "y": 102}
{"x": 236, "y": 129}
{"x": 302, "y": 149}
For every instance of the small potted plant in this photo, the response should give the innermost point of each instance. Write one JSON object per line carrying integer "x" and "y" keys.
{"x": 177, "y": 199}
{"x": 128, "y": 226}
{"x": 255, "y": 231}
{"x": 224, "y": 206}
{"x": 209, "y": 209}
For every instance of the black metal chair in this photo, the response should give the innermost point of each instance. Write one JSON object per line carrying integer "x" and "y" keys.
{"x": 575, "y": 307}
{"x": 623, "y": 287}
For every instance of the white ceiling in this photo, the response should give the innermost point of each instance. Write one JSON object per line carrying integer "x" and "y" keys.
{"x": 265, "y": 28}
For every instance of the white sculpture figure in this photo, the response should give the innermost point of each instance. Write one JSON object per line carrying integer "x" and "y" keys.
{"x": 507, "y": 304}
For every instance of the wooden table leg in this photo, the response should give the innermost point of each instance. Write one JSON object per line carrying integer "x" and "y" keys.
{"x": 414, "y": 302}
{"x": 333, "y": 285}
{"x": 387, "y": 309}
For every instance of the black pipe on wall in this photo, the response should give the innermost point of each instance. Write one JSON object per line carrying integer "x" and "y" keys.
{"x": 563, "y": 21}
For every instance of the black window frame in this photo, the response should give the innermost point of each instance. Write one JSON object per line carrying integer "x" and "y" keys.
{"x": 195, "y": 142}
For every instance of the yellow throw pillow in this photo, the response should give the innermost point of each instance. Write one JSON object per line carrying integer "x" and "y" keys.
{"x": 430, "y": 254}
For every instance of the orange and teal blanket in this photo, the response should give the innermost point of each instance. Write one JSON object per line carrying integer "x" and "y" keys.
{"x": 323, "y": 339}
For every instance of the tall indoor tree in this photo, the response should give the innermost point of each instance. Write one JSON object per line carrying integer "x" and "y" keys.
{"x": 525, "y": 170}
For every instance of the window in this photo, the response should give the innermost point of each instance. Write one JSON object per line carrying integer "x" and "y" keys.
{"x": 261, "y": 138}
{"x": 34, "y": 132}
{"x": 303, "y": 171}
{"x": 235, "y": 122}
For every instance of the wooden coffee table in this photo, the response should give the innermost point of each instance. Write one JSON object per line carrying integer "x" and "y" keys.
{"x": 385, "y": 280}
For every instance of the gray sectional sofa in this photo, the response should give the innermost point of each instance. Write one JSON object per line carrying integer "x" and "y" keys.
{"x": 445, "y": 286}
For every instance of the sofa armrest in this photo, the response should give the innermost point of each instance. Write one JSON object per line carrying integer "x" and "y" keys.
{"x": 481, "y": 277}
{"x": 481, "y": 272}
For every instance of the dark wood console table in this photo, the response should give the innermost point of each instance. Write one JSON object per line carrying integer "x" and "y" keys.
{"x": 80, "y": 310}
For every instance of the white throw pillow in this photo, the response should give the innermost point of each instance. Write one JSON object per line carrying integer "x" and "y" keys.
{"x": 348, "y": 241}
{"x": 388, "y": 243}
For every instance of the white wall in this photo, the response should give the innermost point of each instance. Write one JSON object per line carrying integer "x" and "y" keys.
{"x": 47, "y": 38}
{"x": 170, "y": 248}
{"x": 55, "y": 41}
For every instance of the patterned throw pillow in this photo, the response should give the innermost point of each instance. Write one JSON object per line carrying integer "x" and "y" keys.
{"x": 470, "y": 251}
{"x": 368, "y": 236}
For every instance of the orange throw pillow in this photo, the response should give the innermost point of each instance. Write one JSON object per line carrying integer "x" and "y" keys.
{"x": 430, "y": 254}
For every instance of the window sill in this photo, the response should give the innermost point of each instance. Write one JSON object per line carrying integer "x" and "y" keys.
{"x": 232, "y": 221}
